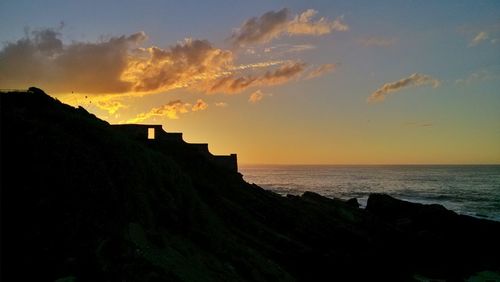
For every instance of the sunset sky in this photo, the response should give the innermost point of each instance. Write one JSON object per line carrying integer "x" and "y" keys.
{"x": 277, "y": 82}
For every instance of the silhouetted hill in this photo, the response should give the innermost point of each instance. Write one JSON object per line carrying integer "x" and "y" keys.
{"x": 82, "y": 201}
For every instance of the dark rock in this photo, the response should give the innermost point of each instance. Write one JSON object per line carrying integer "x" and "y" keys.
{"x": 353, "y": 202}
{"x": 456, "y": 241}
{"x": 391, "y": 208}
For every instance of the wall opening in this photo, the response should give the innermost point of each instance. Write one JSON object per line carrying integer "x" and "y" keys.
{"x": 151, "y": 133}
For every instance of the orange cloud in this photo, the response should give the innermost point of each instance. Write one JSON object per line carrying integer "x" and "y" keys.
{"x": 185, "y": 64}
{"x": 232, "y": 84}
{"x": 272, "y": 25}
{"x": 111, "y": 106}
{"x": 256, "y": 97}
{"x": 321, "y": 70}
{"x": 258, "y": 65}
{"x": 118, "y": 66}
{"x": 199, "y": 106}
{"x": 415, "y": 79}
{"x": 303, "y": 25}
{"x": 116, "y": 69}
{"x": 170, "y": 110}
{"x": 283, "y": 74}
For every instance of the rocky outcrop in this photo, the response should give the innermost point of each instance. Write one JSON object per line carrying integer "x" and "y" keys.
{"x": 441, "y": 242}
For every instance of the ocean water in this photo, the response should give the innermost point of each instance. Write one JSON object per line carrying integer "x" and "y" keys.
{"x": 465, "y": 189}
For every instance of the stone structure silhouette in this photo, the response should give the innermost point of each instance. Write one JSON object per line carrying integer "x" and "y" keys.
{"x": 139, "y": 132}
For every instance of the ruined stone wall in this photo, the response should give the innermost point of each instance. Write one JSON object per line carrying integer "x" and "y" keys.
{"x": 229, "y": 162}
{"x": 139, "y": 132}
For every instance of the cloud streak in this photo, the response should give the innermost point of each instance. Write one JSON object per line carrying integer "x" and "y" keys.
{"x": 299, "y": 48}
{"x": 271, "y": 25}
{"x": 413, "y": 80}
{"x": 235, "y": 84}
{"x": 257, "y": 65}
{"x": 480, "y": 37}
{"x": 414, "y": 124}
{"x": 221, "y": 104}
{"x": 321, "y": 70}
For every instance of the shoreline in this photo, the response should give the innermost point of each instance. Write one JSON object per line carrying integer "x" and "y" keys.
{"x": 470, "y": 190}
{"x": 363, "y": 202}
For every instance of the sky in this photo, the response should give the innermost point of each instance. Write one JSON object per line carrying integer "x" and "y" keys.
{"x": 277, "y": 82}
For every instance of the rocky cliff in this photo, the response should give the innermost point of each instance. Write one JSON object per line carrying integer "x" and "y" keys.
{"x": 82, "y": 201}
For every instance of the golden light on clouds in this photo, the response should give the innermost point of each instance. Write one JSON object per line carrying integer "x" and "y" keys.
{"x": 303, "y": 24}
{"x": 200, "y": 105}
{"x": 257, "y": 65}
{"x": 256, "y": 97}
{"x": 235, "y": 84}
{"x": 182, "y": 65}
{"x": 111, "y": 106}
{"x": 271, "y": 25}
{"x": 113, "y": 72}
{"x": 170, "y": 110}
{"x": 120, "y": 66}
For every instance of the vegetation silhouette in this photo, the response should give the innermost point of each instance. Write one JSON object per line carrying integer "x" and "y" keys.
{"x": 85, "y": 201}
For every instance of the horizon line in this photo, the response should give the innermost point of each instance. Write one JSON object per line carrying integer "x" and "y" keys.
{"x": 368, "y": 164}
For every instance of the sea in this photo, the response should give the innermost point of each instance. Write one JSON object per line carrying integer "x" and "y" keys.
{"x": 466, "y": 189}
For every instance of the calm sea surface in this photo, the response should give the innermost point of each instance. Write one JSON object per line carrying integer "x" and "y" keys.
{"x": 472, "y": 190}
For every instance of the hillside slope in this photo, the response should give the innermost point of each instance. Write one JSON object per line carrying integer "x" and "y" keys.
{"x": 81, "y": 201}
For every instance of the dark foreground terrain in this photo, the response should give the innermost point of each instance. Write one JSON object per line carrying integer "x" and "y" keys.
{"x": 82, "y": 201}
